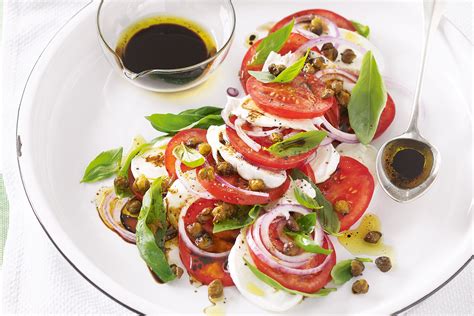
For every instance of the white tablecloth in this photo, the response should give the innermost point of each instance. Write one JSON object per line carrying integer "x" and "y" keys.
{"x": 36, "y": 279}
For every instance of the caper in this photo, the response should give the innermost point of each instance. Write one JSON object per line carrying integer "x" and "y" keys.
{"x": 357, "y": 267}
{"x": 256, "y": 185}
{"x": 225, "y": 169}
{"x": 276, "y": 69}
{"x": 206, "y": 173}
{"x": 373, "y": 237}
{"x": 178, "y": 271}
{"x": 383, "y": 263}
{"x": 223, "y": 212}
{"x": 343, "y": 98}
{"x": 319, "y": 63}
{"x": 165, "y": 185}
{"x": 204, "y": 241}
{"x": 316, "y": 26}
{"x": 141, "y": 184}
{"x": 204, "y": 149}
{"x": 329, "y": 51}
{"x": 292, "y": 225}
{"x": 205, "y": 215}
{"x": 276, "y": 137}
{"x": 290, "y": 249}
{"x": 327, "y": 93}
{"x": 337, "y": 85}
{"x": 309, "y": 68}
{"x": 342, "y": 206}
{"x": 215, "y": 290}
{"x": 171, "y": 233}
{"x": 194, "y": 229}
{"x": 134, "y": 206}
{"x": 348, "y": 56}
{"x": 121, "y": 183}
{"x": 192, "y": 142}
{"x": 360, "y": 287}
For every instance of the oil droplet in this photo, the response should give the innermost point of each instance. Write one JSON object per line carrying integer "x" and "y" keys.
{"x": 255, "y": 290}
{"x": 353, "y": 240}
{"x": 215, "y": 310}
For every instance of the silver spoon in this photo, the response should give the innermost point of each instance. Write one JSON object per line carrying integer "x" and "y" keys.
{"x": 400, "y": 193}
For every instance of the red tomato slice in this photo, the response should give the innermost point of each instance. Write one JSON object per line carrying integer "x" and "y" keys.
{"x": 205, "y": 269}
{"x": 264, "y": 158}
{"x": 387, "y": 116}
{"x": 292, "y": 44}
{"x": 298, "y": 99}
{"x": 310, "y": 283}
{"x": 308, "y": 170}
{"x": 170, "y": 160}
{"x": 340, "y": 21}
{"x": 233, "y": 195}
{"x": 353, "y": 183}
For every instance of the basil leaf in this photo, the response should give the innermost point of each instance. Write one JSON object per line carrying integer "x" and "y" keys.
{"x": 367, "y": 100}
{"x": 285, "y": 76}
{"x": 297, "y": 144}
{"x": 305, "y": 200}
{"x": 362, "y": 29}
{"x": 341, "y": 272}
{"x": 307, "y": 223}
{"x": 275, "y": 284}
{"x": 245, "y": 218}
{"x": 307, "y": 244}
{"x": 151, "y": 230}
{"x": 189, "y": 156}
{"x": 105, "y": 165}
{"x": 272, "y": 43}
{"x": 326, "y": 215}
{"x": 172, "y": 123}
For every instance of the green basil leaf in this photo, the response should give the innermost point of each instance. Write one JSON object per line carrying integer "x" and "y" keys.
{"x": 189, "y": 156}
{"x": 104, "y": 166}
{"x": 367, "y": 100}
{"x": 285, "y": 76}
{"x": 275, "y": 284}
{"x": 151, "y": 230}
{"x": 272, "y": 43}
{"x": 362, "y": 29}
{"x": 297, "y": 144}
{"x": 173, "y": 123}
{"x": 326, "y": 215}
{"x": 307, "y": 244}
{"x": 341, "y": 272}
{"x": 245, "y": 217}
{"x": 305, "y": 200}
{"x": 307, "y": 223}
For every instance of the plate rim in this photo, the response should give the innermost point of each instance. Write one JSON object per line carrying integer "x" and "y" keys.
{"x": 26, "y": 87}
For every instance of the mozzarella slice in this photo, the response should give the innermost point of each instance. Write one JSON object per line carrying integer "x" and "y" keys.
{"x": 151, "y": 162}
{"x": 252, "y": 288}
{"x": 247, "y": 110}
{"x": 246, "y": 170}
{"x": 365, "y": 154}
{"x": 177, "y": 197}
{"x": 325, "y": 163}
{"x": 277, "y": 59}
{"x": 289, "y": 196}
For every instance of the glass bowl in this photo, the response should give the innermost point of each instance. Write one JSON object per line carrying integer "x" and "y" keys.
{"x": 217, "y": 17}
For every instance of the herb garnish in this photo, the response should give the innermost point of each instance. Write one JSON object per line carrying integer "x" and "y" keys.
{"x": 362, "y": 29}
{"x": 244, "y": 218}
{"x": 190, "y": 157}
{"x": 297, "y": 144}
{"x": 104, "y": 166}
{"x": 341, "y": 272}
{"x": 272, "y": 43}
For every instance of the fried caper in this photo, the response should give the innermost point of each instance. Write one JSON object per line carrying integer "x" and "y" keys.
{"x": 141, "y": 184}
{"x": 178, "y": 271}
{"x": 383, "y": 263}
{"x": 205, "y": 215}
{"x": 204, "y": 149}
{"x": 215, "y": 290}
{"x": 309, "y": 68}
{"x": 290, "y": 249}
{"x": 276, "y": 69}
{"x": 342, "y": 206}
{"x": 360, "y": 287}
{"x": 194, "y": 229}
{"x": 223, "y": 212}
{"x": 204, "y": 241}
{"x": 343, "y": 98}
{"x": 192, "y": 142}
{"x": 337, "y": 85}
{"x": 357, "y": 267}
{"x": 165, "y": 185}
{"x": 348, "y": 56}
{"x": 207, "y": 173}
{"x": 373, "y": 237}
{"x": 134, "y": 206}
{"x": 276, "y": 137}
{"x": 329, "y": 51}
{"x": 121, "y": 183}
{"x": 327, "y": 93}
{"x": 292, "y": 225}
{"x": 225, "y": 169}
{"x": 256, "y": 185}
{"x": 316, "y": 26}
{"x": 319, "y": 63}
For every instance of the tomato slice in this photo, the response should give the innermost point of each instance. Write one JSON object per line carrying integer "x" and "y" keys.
{"x": 387, "y": 116}
{"x": 353, "y": 183}
{"x": 206, "y": 269}
{"x": 198, "y": 134}
{"x": 264, "y": 158}
{"x": 339, "y": 20}
{"x": 298, "y": 99}
{"x": 233, "y": 195}
{"x": 308, "y": 171}
{"x": 310, "y": 283}
{"x": 292, "y": 44}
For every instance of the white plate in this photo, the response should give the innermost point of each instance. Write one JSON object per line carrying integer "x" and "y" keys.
{"x": 75, "y": 106}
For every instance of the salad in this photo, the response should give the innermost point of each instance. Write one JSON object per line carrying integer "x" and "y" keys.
{"x": 255, "y": 194}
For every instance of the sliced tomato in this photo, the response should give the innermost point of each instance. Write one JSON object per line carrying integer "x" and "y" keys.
{"x": 298, "y": 99}
{"x": 206, "y": 269}
{"x": 308, "y": 170}
{"x": 292, "y": 44}
{"x": 339, "y": 20}
{"x": 170, "y": 160}
{"x": 310, "y": 283}
{"x": 333, "y": 115}
{"x": 387, "y": 116}
{"x": 353, "y": 183}
{"x": 264, "y": 158}
{"x": 232, "y": 193}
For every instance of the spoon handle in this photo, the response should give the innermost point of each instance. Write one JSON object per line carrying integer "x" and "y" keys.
{"x": 432, "y": 10}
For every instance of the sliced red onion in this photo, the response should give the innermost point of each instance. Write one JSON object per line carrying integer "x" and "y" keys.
{"x": 333, "y": 30}
{"x": 232, "y": 92}
{"x": 190, "y": 244}
{"x": 328, "y": 39}
{"x": 337, "y": 73}
{"x": 259, "y": 132}
{"x": 334, "y": 132}
{"x": 245, "y": 138}
{"x": 110, "y": 210}
{"x": 242, "y": 191}
{"x": 200, "y": 191}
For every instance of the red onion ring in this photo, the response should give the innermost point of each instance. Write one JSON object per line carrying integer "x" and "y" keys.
{"x": 326, "y": 39}
{"x": 333, "y": 30}
{"x": 245, "y": 138}
{"x": 259, "y": 132}
{"x": 334, "y": 132}
{"x": 335, "y": 73}
{"x": 242, "y": 191}
{"x": 110, "y": 209}
{"x": 201, "y": 193}
{"x": 189, "y": 243}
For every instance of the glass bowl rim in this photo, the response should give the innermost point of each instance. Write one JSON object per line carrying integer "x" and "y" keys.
{"x": 183, "y": 69}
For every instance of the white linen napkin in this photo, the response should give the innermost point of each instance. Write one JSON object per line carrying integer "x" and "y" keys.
{"x": 36, "y": 278}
